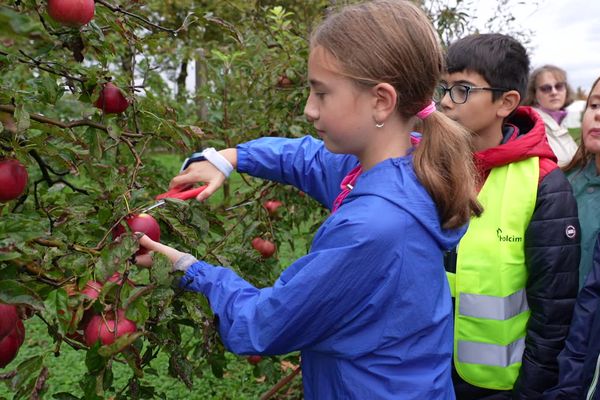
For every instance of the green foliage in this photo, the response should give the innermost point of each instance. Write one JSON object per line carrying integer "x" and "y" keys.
{"x": 89, "y": 170}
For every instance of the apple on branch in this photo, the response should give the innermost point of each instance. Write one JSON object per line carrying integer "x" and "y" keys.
{"x": 111, "y": 99}
{"x": 272, "y": 205}
{"x": 10, "y": 345}
{"x": 71, "y": 12}
{"x": 13, "y": 179}
{"x": 266, "y": 248}
{"x": 107, "y": 328}
{"x": 144, "y": 223}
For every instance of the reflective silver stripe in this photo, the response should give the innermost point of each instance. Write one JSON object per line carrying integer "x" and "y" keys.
{"x": 492, "y": 307}
{"x": 491, "y": 354}
{"x": 592, "y": 389}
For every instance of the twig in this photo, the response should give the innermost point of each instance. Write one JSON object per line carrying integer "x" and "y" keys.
{"x": 121, "y": 10}
{"x": 41, "y": 66}
{"x": 284, "y": 381}
{"x": 46, "y": 176}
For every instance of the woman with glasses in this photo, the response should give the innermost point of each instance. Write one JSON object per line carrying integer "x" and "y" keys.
{"x": 549, "y": 93}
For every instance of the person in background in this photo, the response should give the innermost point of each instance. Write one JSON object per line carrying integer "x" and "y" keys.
{"x": 549, "y": 93}
{"x": 584, "y": 174}
{"x": 514, "y": 276}
{"x": 368, "y": 307}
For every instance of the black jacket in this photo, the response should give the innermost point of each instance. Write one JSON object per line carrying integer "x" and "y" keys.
{"x": 579, "y": 362}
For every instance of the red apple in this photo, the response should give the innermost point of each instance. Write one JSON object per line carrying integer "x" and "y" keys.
{"x": 140, "y": 223}
{"x": 266, "y": 248}
{"x": 107, "y": 329}
{"x": 111, "y": 100}
{"x": 284, "y": 82}
{"x": 272, "y": 206}
{"x": 8, "y": 319}
{"x": 118, "y": 279}
{"x": 92, "y": 289}
{"x": 71, "y": 12}
{"x": 13, "y": 179}
{"x": 254, "y": 359}
{"x": 9, "y": 346}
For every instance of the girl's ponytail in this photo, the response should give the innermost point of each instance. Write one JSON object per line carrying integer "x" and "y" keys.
{"x": 443, "y": 163}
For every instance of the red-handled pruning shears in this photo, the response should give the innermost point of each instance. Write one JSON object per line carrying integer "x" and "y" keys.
{"x": 177, "y": 193}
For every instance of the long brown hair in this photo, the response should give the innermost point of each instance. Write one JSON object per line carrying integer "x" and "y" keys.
{"x": 558, "y": 73}
{"x": 394, "y": 42}
{"x": 582, "y": 157}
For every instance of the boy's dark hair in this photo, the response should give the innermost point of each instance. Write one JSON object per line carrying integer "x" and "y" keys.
{"x": 500, "y": 59}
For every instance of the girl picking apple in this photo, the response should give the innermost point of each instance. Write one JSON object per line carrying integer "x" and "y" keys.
{"x": 369, "y": 306}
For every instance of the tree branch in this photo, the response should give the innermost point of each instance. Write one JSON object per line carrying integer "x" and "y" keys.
{"x": 284, "y": 381}
{"x": 121, "y": 10}
{"x": 43, "y": 66}
{"x": 68, "y": 125}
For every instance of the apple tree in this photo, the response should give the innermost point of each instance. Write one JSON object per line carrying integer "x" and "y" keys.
{"x": 100, "y": 101}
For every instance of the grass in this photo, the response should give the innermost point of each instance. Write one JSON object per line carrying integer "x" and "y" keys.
{"x": 575, "y": 133}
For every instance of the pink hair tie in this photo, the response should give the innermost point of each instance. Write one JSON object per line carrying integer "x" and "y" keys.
{"x": 427, "y": 111}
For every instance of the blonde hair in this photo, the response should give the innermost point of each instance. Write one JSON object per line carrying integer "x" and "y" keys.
{"x": 558, "y": 73}
{"x": 582, "y": 157}
{"x": 394, "y": 42}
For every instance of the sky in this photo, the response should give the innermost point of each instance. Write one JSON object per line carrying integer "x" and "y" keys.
{"x": 566, "y": 33}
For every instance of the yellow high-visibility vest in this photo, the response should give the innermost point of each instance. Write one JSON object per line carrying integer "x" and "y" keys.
{"x": 491, "y": 310}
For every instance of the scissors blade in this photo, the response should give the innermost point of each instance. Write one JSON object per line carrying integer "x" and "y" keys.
{"x": 157, "y": 204}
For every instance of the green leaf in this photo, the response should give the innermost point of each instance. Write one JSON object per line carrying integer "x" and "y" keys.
{"x": 22, "y": 119}
{"x": 93, "y": 360}
{"x": 121, "y": 343}
{"x": 13, "y": 292}
{"x": 137, "y": 311}
{"x": 27, "y": 371}
{"x": 57, "y": 306}
{"x": 20, "y": 228}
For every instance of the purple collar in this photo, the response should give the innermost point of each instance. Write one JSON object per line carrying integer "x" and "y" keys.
{"x": 558, "y": 115}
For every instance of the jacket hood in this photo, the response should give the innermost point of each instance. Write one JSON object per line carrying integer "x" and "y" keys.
{"x": 395, "y": 181}
{"x": 524, "y": 137}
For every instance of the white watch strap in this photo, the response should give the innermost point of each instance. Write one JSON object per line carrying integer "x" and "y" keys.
{"x": 216, "y": 159}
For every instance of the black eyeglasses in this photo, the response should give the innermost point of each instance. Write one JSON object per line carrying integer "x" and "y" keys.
{"x": 558, "y": 86}
{"x": 460, "y": 93}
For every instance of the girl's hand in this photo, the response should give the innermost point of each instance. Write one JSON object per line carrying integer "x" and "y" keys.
{"x": 201, "y": 171}
{"x": 181, "y": 261}
{"x": 205, "y": 172}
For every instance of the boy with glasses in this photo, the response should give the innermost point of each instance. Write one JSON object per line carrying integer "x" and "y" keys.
{"x": 514, "y": 277}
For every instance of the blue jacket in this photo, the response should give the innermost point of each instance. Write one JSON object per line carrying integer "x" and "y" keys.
{"x": 579, "y": 362}
{"x": 369, "y": 306}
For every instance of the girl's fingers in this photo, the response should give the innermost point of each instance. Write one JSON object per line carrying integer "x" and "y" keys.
{"x": 171, "y": 253}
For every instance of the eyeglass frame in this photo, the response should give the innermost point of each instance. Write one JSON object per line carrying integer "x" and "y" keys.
{"x": 558, "y": 86}
{"x": 468, "y": 90}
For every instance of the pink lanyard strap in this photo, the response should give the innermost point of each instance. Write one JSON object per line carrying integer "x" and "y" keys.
{"x": 347, "y": 185}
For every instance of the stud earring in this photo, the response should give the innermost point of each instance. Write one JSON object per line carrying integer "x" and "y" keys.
{"x": 379, "y": 125}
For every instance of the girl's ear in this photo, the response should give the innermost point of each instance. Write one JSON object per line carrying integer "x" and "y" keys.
{"x": 508, "y": 103}
{"x": 384, "y": 101}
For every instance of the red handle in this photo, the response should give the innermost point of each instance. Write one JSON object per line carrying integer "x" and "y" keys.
{"x": 181, "y": 195}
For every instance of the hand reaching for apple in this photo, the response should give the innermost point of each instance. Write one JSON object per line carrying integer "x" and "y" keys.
{"x": 181, "y": 261}
{"x": 204, "y": 172}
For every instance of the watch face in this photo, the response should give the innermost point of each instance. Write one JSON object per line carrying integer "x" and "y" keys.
{"x": 195, "y": 157}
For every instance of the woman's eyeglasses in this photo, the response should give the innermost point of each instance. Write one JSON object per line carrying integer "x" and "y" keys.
{"x": 460, "y": 93}
{"x": 547, "y": 88}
